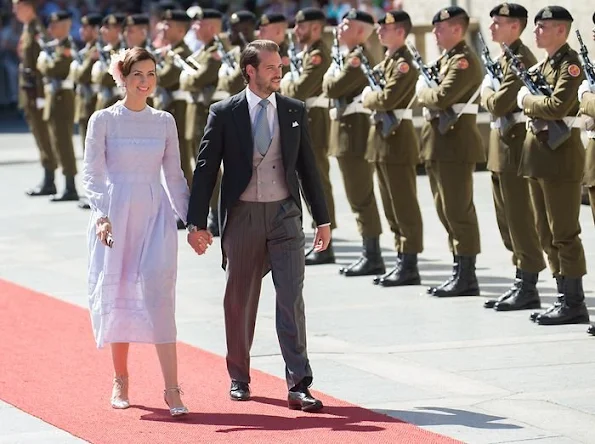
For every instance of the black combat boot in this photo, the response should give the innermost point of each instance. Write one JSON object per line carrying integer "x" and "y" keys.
{"x": 369, "y": 263}
{"x": 393, "y": 270}
{"x": 525, "y": 297}
{"x": 320, "y": 257}
{"x": 406, "y": 273}
{"x": 84, "y": 204}
{"x": 572, "y": 310}
{"x": 490, "y": 303}
{"x": 46, "y": 187}
{"x": 455, "y": 272}
{"x": 465, "y": 282}
{"x": 560, "y": 296}
{"x": 69, "y": 194}
{"x": 591, "y": 329}
{"x": 213, "y": 222}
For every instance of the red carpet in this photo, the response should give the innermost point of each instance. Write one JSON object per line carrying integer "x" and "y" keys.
{"x": 52, "y": 370}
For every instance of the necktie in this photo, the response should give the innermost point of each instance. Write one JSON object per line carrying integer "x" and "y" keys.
{"x": 262, "y": 132}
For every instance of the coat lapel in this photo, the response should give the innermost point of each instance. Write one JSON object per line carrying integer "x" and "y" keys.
{"x": 241, "y": 117}
{"x": 284, "y": 116}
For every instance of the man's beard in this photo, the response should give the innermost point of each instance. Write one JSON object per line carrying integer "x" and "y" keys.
{"x": 267, "y": 87}
{"x": 305, "y": 38}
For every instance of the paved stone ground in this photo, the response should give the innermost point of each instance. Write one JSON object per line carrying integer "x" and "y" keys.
{"x": 446, "y": 365}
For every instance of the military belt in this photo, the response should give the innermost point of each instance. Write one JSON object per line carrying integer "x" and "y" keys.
{"x": 514, "y": 119}
{"x": 55, "y": 85}
{"x": 220, "y": 95}
{"x": 403, "y": 114}
{"x": 317, "y": 102}
{"x": 465, "y": 108}
{"x": 180, "y": 95}
{"x": 356, "y": 107}
{"x": 570, "y": 122}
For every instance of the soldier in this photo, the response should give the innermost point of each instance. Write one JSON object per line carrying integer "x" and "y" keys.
{"x": 556, "y": 174}
{"x": 80, "y": 74}
{"x": 59, "y": 99}
{"x": 136, "y": 31}
{"x": 273, "y": 26}
{"x": 169, "y": 97}
{"x": 31, "y": 93}
{"x": 586, "y": 96}
{"x": 450, "y": 154}
{"x": 348, "y": 139}
{"x": 316, "y": 59}
{"x": 394, "y": 151}
{"x": 202, "y": 83}
{"x": 515, "y": 217}
{"x": 111, "y": 37}
{"x": 231, "y": 81}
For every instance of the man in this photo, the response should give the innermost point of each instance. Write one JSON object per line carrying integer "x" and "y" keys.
{"x": 202, "y": 83}
{"x": 169, "y": 97}
{"x": 59, "y": 100}
{"x": 261, "y": 214}
{"x": 316, "y": 59}
{"x": 556, "y": 172}
{"x": 395, "y": 155}
{"x": 349, "y": 136}
{"x": 136, "y": 31}
{"x": 231, "y": 81}
{"x": 514, "y": 213}
{"x": 31, "y": 93}
{"x": 450, "y": 154}
{"x": 111, "y": 36}
{"x": 273, "y": 26}
{"x": 80, "y": 74}
{"x": 586, "y": 96}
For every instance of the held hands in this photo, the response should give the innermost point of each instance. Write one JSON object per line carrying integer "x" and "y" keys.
{"x": 322, "y": 238}
{"x": 103, "y": 229}
{"x": 200, "y": 240}
{"x": 523, "y": 92}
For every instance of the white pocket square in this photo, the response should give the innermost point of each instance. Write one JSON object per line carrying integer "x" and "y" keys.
{"x": 294, "y": 124}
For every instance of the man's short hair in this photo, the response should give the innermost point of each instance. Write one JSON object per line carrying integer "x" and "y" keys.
{"x": 251, "y": 55}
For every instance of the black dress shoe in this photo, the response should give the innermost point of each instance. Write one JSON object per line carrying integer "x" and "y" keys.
{"x": 320, "y": 257}
{"x": 301, "y": 399}
{"x": 591, "y": 329}
{"x": 83, "y": 204}
{"x": 239, "y": 391}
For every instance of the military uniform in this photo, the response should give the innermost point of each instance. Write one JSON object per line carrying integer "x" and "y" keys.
{"x": 514, "y": 213}
{"x": 108, "y": 92}
{"x": 31, "y": 101}
{"x": 316, "y": 59}
{"x": 556, "y": 174}
{"x": 348, "y": 140}
{"x": 143, "y": 21}
{"x": 201, "y": 85}
{"x": 450, "y": 158}
{"x": 588, "y": 109}
{"x": 272, "y": 18}
{"x": 58, "y": 111}
{"x": 169, "y": 97}
{"x": 395, "y": 157}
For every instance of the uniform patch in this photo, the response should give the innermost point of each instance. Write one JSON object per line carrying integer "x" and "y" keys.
{"x": 316, "y": 59}
{"x": 285, "y": 61}
{"x": 463, "y": 64}
{"x": 355, "y": 62}
{"x": 403, "y": 67}
{"x": 574, "y": 70}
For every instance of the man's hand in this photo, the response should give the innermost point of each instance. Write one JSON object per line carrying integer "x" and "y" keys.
{"x": 200, "y": 240}
{"x": 322, "y": 238}
{"x": 520, "y": 98}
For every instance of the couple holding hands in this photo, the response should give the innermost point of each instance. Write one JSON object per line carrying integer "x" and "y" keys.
{"x": 134, "y": 182}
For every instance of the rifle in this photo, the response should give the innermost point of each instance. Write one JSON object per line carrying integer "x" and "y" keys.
{"x": 101, "y": 53}
{"x": 588, "y": 66}
{"x": 337, "y": 62}
{"x": 76, "y": 54}
{"x": 494, "y": 69}
{"x": 295, "y": 65}
{"x": 226, "y": 58}
{"x": 180, "y": 62}
{"x": 446, "y": 118}
{"x": 558, "y": 131}
{"x": 388, "y": 120}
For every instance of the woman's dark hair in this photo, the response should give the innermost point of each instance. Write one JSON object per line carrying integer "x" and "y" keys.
{"x": 250, "y": 55}
{"x": 134, "y": 55}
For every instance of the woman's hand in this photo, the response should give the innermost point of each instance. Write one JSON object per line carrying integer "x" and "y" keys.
{"x": 103, "y": 228}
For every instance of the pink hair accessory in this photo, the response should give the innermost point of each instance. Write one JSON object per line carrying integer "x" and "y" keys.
{"x": 115, "y": 67}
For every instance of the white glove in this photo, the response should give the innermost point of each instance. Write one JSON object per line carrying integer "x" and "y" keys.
{"x": 523, "y": 92}
{"x": 420, "y": 85}
{"x": 583, "y": 89}
{"x": 489, "y": 82}
{"x": 184, "y": 76}
{"x": 367, "y": 90}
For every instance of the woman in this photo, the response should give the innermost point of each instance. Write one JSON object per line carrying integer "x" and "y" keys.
{"x": 132, "y": 271}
